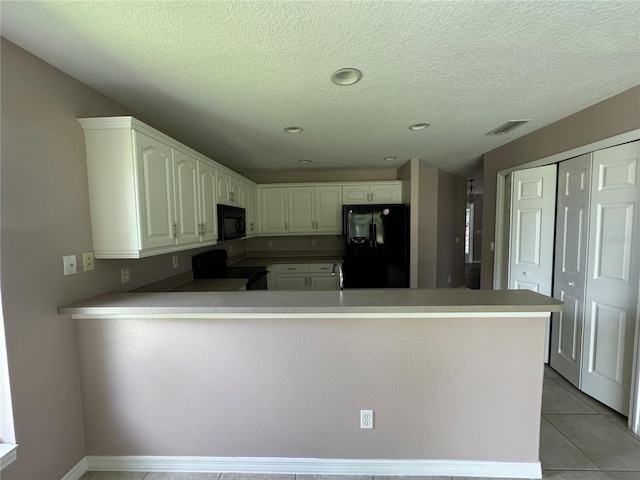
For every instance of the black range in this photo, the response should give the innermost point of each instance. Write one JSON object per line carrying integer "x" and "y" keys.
{"x": 213, "y": 264}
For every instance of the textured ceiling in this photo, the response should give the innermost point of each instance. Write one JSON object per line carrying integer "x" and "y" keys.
{"x": 227, "y": 77}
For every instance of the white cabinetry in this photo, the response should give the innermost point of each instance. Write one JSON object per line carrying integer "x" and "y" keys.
{"x": 275, "y": 210}
{"x": 250, "y": 201}
{"x": 148, "y": 194}
{"x": 230, "y": 189}
{"x": 301, "y": 209}
{"x": 303, "y": 276}
{"x": 371, "y": 193}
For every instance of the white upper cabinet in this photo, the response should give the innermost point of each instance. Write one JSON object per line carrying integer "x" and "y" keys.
{"x": 155, "y": 194}
{"x": 149, "y": 194}
{"x": 301, "y": 209}
{"x": 187, "y": 198}
{"x": 328, "y": 209}
{"x": 208, "y": 205}
{"x": 372, "y": 193}
{"x": 275, "y": 211}
{"x": 250, "y": 197}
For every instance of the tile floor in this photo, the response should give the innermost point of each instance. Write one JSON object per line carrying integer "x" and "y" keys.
{"x": 580, "y": 439}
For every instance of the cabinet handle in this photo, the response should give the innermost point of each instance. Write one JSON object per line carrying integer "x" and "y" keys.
{"x": 286, "y": 226}
{"x": 571, "y": 284}
{"x": 292, "y": 268}
{"x": 204, "y": 229}
{"x": 175, "y": 230}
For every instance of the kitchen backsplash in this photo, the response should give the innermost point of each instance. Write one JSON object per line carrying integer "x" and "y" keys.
{"x": 307, "y": 243}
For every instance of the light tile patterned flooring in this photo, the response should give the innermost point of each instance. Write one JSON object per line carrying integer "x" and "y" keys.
{"x": 580, "y": 439}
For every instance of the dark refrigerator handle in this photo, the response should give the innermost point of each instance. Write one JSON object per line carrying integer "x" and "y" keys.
{"x": 375, "y": 235}
{"x": 371, "y": 237}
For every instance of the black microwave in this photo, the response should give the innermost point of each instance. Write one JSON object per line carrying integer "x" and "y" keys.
{"x": 231, "y": 222}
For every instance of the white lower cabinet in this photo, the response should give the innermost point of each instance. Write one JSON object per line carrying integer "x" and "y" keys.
{"x": 303, "y": 276}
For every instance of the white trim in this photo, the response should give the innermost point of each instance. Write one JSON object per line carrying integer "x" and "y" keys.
{"x": 8, "y": 455}
{"x": 334, "y": 466}
{"x": 261, "y": 316}
{"x": 634, "y": 404}
{"x": 77, "y": 471}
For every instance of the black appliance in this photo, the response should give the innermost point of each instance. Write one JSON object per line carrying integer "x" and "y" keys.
{"x": 376, "y": 250}
{"x": 213, "y": 264}
{"x": 232, "y": 222}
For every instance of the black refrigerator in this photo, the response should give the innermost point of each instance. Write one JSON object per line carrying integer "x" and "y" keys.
{"x": 376, "y": 250}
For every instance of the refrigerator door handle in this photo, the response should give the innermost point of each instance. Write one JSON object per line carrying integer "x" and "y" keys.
{"x": 375, "y": 235}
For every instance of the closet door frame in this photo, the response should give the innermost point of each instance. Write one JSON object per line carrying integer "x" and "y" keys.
{"x": 501, "y": 248}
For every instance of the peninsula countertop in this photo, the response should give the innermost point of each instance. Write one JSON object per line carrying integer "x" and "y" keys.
{"x": 357, "y": 303}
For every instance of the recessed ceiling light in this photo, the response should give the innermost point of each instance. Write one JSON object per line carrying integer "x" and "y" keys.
{"x": 293, "y": 129}
{"x": 390, "y": 159}
{"x": 304, "y": 161}
{"x": 346, "y": 76}
{"x": 419, "y": 126}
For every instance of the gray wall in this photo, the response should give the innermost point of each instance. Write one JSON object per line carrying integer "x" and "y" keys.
{"x": 613, "y": 116}
{"x": 428, "y": 227}
{"x": 346, "y": 175}
{"x": 452, "y": 197}
{"x": 45, "y": 215}
{"x": 293, "y": 387}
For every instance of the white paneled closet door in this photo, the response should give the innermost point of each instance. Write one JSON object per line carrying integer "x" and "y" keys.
{"x": 533, "y": 210}
{"x": 612, "y": 284}
{"x": 574, "y": 184}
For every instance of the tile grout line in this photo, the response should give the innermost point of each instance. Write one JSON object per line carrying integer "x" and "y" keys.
{"x": 574, "y": 444}
{"x": 575, "y": 396}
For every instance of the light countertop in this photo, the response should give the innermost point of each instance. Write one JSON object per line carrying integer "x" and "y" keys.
{"x": 374, "y": 302}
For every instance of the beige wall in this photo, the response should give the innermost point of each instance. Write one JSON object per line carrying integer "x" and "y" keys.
{"x": 293, "y": 387}
{"x": 477, "y": 228}
{"x": 428, "y": 226}
{"x": 346, "y": 175}
{"x": 45, "y": 215}
{"x": 450, "y": 234}
{"x": 408, "y": 173}
{"x": 613, "y": 116}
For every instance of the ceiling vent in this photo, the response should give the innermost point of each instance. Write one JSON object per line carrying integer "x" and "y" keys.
{"x": 507, "y": 127}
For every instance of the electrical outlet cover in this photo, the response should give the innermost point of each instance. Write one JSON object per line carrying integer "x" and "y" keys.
{"x": 87, "y": 261}
{"x": 366, "y": 419}
{"x": 124, "y": 273}
{"x": 174, "y": 259}
{"x": 70, "y": 264}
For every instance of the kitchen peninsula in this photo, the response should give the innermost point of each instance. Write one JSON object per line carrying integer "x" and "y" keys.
{"x": 274, "y": 382}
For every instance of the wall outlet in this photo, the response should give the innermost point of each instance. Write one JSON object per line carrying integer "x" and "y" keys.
{"x": 449, "y": 279}
{"x": 457, "y": 239}
{"x": 70, "y": 264}
{"x": 314, "y": 242}
{"x": 174, "y": 260}
{"x": 366, "y": 419}
{"x": 492, "y": 246}
{"x": 230, "y": 248}
{"x": 87, "y": 261}
{"x": 271, "y": 243}
{"x": 124, "y": 274}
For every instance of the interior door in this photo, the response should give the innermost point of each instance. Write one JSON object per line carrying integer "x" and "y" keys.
{"x": 574, "y": 181}
{"x": 533, "y": 202}
{"x": 612, "y": 282}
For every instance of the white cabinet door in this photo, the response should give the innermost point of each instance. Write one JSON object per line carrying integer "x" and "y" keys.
{"x": 292, "y": 281}
{"x": 301, "y": 209}
{"x": 224, "y": 187}
{"x": 236, "y": 192}
{"x": 323, "y": 281}
{"x": 355, "y": 194}
{"x": 251, "y": 206}
{"x": 574, "y": 181}
{"x": 612, "y": 276}
{"x": 384, "y": 193}
{"x": 185, "y": 175}
{"x": 208, "y": 204}
{"x": 274, "y": 210}
{"x": 328, "y": 200}
{"x": 155, "y": 192}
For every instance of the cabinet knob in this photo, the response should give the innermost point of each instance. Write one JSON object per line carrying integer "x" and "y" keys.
{"x": 571, "y": 284}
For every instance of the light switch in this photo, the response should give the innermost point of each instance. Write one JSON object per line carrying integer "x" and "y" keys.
{"x": 70, "y": 264}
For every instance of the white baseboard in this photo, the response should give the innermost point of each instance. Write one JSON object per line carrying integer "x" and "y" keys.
{"x": 333, "y": 466}
{"x": 77, "y": 471}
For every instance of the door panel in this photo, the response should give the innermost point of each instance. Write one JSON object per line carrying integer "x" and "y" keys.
{"x": 301, "y": 209}
{"x": 155, "y": 181}
{"x": 612, "y": 276}
{"x": 569, "y": 272}
{"x": 208, "y": 206}
{"x": 533, "y": 211}
{"x": 185, "y": 174}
